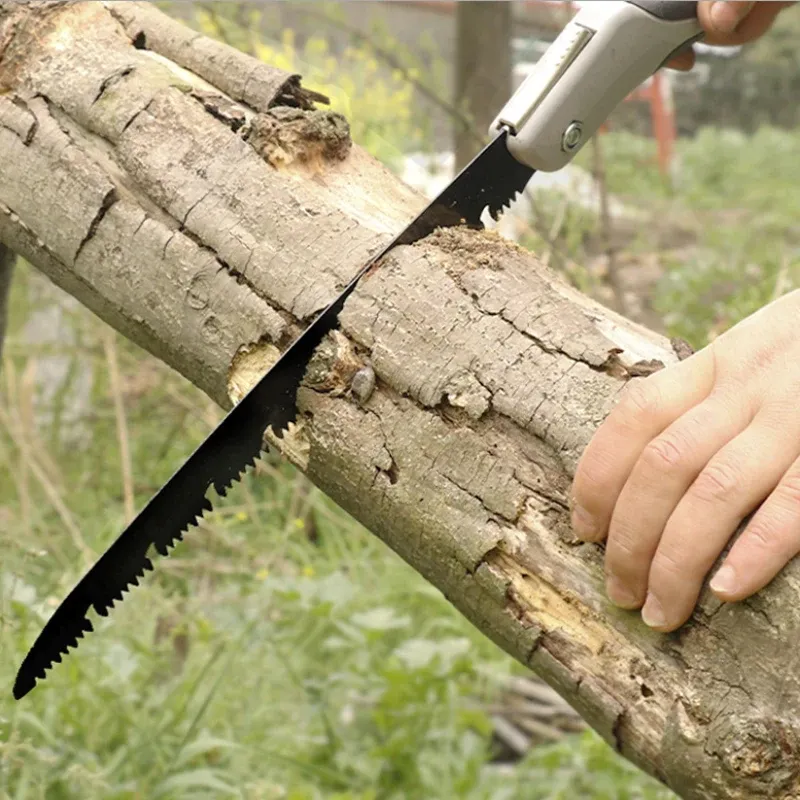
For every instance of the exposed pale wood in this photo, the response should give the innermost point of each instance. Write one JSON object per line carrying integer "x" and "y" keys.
{"x": 447, "y": 415}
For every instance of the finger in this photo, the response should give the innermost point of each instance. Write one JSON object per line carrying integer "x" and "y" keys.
{"x": 646, "y": 407}
{"x": 739, "y": 477}
{"x": 770, "y": 540}
{"x": 748, "y": 24}
{"x": 669, "y": 463}
{"x": 723, "y": 17}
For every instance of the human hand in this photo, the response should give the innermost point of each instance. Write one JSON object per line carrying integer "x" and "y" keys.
{"x": 729, "y": 23}
{"x": 685, "y": 455}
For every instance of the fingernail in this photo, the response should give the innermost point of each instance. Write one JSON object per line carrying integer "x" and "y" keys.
{"x": 583, "y": 523}
{"x": 620, "y": 594}
{"x": 724, "y": 581}
{"x": 652, "y": 613}
{"x": 724, "y": 17}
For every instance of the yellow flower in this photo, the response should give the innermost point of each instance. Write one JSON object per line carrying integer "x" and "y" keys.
{"x": 308, "y": 571}
{"x": 262, "y": 574}
{"x": 299, "y": 523}
{"x": 241, "y": 516}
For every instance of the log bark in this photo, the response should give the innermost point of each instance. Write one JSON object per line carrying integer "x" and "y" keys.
{"x": 177, "y": 189}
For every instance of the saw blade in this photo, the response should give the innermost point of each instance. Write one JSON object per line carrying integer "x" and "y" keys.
{"x": 491, "y": 180}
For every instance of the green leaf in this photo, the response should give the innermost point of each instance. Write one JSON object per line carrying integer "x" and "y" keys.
{"x": 195, "y": 779}
{"x": 204, "y": 744}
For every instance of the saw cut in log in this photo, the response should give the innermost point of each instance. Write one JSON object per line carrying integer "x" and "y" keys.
{"x": 196, "y": 201}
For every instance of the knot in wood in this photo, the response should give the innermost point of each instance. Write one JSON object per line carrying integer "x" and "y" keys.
{"x": 333, "y": 366}
{"x": 763, "y": 751}
{"x": 287, "y": 135}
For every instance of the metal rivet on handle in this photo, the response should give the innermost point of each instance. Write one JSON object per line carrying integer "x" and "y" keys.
{"x": 572, "y": 137}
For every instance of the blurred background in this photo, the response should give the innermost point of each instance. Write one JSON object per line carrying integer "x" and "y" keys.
{"x": 283, "y": 651}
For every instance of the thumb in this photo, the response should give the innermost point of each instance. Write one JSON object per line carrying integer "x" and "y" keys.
{"x": 724, "y": 16}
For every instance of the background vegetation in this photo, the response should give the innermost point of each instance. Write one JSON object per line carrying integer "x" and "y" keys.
{"x": 283, "y": 651}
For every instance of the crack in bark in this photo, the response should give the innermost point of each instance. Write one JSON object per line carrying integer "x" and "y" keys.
{"x": 193, "y": 206}
{"x": 37, "y": 244}
{"x": 135, "y": 117}
{"x": 32, "y": 131}
{"x": 228, "y": 112}
{"x": 110, "y": 198}
{"x": 490, "y": 515}
{"x": 110, "y": 80}
{"x": 607, "y": 367}
{"x": 393, "y": 471}
{"x": 752, "y": 604}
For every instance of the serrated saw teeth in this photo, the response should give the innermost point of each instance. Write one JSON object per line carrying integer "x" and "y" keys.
{"x": 489, "y": 181}
{"x": 162, "y": 548}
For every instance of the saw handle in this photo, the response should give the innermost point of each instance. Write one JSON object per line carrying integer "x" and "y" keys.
{"x": 601, "y": 56}
{"x": 668, "y": 10}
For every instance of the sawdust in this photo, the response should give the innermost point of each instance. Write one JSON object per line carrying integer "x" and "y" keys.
{"x": 476, "y": 249}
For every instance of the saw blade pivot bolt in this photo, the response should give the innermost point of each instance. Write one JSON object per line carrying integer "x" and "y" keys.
{"x": 572, "y": 137}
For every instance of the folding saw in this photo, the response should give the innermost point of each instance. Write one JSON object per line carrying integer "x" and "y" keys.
{"x": 604, "y": 53}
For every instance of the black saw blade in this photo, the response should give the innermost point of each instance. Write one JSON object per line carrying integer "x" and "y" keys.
{"x": 491, "y": 180}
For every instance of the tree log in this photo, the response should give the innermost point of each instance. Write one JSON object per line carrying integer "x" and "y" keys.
{"x": 193, "y": 199}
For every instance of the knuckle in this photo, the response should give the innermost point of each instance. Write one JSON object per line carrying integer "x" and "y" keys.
{"x": 760, "y": 535}
{"x": 789, "y": 490}
{"x": 625, "y": 553}
{"x": 667, "y": 564}
{"x": 718, "y": 481}
{"x": 590, "y": 485}
{"x": 640, "y": 399}
{"x": 664, "y": 453}
{"x": 676, "y": 571}
{"x": 590, "y": 474}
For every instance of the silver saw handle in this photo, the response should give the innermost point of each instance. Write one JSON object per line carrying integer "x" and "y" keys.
{"x": 603, "y": 54}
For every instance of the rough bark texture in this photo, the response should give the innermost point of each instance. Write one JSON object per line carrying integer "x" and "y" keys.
{"x": 449, "y": 411}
